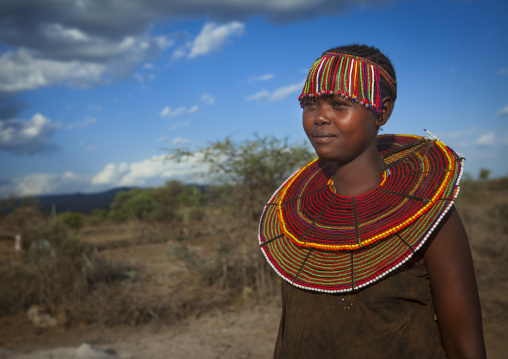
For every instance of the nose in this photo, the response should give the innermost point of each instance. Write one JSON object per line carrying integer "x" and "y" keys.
{"x": 322, "y": 117}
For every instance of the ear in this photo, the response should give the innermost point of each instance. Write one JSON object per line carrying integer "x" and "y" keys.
{"x": 383, "y": 117}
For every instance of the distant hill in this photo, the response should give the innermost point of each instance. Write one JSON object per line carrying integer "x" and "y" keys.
{"x": 79, "y": 202}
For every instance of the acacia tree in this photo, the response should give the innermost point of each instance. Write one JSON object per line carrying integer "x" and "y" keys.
{"x": 484, "y": 174}
{"x": 191, "y": 201}
{"x": 253, "y": 169}
{"x": 135, "y": 203}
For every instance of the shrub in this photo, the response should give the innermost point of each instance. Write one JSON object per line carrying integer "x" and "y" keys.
{"x": 57, "y": 269}
{"x": 484, "y": 174}
{"x": 22, "y": 220}
{"x": 136, "y": 203}
{"x": 98, "y": 216}
{"x": 72, "y": 220}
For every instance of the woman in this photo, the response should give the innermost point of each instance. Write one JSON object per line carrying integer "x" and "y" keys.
{"x": 366, "y": 239}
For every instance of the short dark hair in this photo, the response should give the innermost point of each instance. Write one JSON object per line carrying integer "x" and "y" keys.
{"x": 376, "y": 56}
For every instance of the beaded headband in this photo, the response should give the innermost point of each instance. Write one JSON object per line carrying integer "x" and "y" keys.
{"x": 351, "y": 77}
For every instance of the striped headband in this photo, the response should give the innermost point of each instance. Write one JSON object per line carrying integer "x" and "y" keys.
{"x": 351, "y": 77}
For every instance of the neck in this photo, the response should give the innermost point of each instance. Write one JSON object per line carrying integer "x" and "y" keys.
{"x": 360, "y": 176}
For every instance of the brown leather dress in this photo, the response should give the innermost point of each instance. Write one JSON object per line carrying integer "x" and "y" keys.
{"x": 393, "y": 318}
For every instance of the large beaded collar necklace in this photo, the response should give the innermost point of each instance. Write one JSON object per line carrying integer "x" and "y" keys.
{"x": 318, "y": 240}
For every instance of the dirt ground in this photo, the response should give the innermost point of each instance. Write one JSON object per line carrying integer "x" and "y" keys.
{"x": 229, "y": 335}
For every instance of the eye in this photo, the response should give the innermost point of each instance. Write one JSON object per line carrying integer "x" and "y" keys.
{"x": 339, "y": 104}
{"x": 309, "y": 103}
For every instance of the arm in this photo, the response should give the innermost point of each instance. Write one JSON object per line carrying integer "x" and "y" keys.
{"x": 454, "y": 291}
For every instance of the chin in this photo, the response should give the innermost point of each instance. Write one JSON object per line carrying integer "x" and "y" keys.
{"x": 328, "y": 153}
{"x": 328, "y": 157}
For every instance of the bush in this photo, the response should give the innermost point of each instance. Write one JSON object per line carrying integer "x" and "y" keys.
{"x": 484, "y": 174}
{"x": 57, "y": 269}
{"x": 136, "y": 203}
{"x": 97, "y": 217}
{"x": 72, "y": 220}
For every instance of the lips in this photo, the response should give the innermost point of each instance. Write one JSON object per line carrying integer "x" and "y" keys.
{"x": 321, "y": 135}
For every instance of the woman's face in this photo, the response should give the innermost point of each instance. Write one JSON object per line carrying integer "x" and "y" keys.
{"x": 339, "y": 130}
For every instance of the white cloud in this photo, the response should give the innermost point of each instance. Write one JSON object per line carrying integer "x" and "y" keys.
{"x": 178, "y": 125}
{"x": 151, "y": 171}
{"x": 179, "y": 111}
{"x": 36, "y": 183}
{"x": 208, "y": 99}
{"x": 58, "y": 32}
{"x": 457, "y": 135}
{"x": 168, "y": 112}
{"x": 165, "y": 112}
{"x": 90, "y": 148}
{"x": 86, "y": 122}
{"x": 487, "y": 139}
{"x": 162, "y": 43}
{"x": 140, "y": 173}
{"x": 277, "y": 94}
{"x": 71, "y": 57}
{"x": 84, "y": 43}
{"x": 503, "y": 111}
{"x": 180, "y": 52}
{"x": 44, "y": 183}
{"x": 23, "y": 70}
{"x": 265, "y": 77}
{"x": 180, "y": 141}
{"x": 27, "y": 137}
{"x": 503, "y": 71}
{"x": 212, "y": 37}
{"x": 143, "y": 77}
{"x": 283, "y": 92}
{"x": 111, "y": 173}
{"x": 161, "y": 139}
{"x": 259, "y": 96}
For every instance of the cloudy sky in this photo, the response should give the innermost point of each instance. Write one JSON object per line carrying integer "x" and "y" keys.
{"x": 94, "y": 92}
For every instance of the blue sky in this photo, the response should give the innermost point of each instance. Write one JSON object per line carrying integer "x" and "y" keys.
{"x": 93, "y": 93}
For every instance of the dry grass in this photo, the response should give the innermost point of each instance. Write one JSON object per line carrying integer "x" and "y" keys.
{"x": 133, "y": 273}
{"x": 55, "y": 271}
{"x": 483, "y": 206}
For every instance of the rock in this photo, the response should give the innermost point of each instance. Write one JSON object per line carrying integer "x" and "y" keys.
{"x": 40, "y": 319}
{"x": 86, "y": 351}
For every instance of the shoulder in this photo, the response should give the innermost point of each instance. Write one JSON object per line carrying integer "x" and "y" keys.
{"x": 449, "y": 238}
{"x": 448, "y": 255}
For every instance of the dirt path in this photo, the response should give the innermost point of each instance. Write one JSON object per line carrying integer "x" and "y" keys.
{"x": 246, "y": 334}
